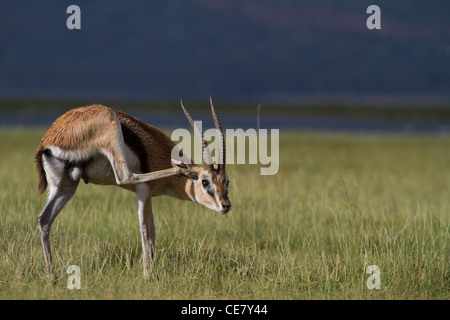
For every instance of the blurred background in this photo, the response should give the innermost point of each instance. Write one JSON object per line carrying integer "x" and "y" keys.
{"x": 311, "y": 65}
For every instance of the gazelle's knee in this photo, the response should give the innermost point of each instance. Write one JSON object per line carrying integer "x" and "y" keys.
{"x": 40, "y": 222}
{"x": 44, "y": 228}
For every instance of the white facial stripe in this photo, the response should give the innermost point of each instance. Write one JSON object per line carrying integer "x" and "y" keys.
{"x": 212, "y": 188}
{"x": 219, "y": 204}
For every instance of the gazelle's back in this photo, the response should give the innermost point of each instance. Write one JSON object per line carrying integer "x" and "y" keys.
{"x": 77, "y": 128}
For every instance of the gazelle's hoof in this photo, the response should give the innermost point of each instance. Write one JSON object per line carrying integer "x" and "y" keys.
{"x": 189, "y": 174}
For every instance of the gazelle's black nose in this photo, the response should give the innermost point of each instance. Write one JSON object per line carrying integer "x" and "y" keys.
{"x": 226, "y": 206}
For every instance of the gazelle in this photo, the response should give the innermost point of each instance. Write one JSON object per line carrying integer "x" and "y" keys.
{"x": 109, "y": 147}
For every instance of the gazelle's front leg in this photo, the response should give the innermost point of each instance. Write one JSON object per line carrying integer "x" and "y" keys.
{"x": 146, "y": 226}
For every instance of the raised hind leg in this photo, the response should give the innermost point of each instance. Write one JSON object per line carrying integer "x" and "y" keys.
{"x": 124, "y": 176}
{"x": 115, "y": 152}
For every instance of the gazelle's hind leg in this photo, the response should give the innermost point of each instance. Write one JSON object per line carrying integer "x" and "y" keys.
{"x": 62, "y": 188}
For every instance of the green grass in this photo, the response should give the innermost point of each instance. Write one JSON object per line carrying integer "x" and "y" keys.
{"x": 338, "y": 204}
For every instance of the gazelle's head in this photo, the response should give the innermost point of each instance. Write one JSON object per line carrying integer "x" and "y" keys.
{"x": 211, "y": 187}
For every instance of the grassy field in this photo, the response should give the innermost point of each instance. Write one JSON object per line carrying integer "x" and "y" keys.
{"x": 338, "y": 204}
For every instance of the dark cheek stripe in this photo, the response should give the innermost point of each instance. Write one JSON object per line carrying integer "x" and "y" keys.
{"x": 210, "y": 193}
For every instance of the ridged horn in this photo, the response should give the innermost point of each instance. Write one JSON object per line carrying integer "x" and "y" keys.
{"x": 220, "y": 137}
{"x": 205, "y": 150}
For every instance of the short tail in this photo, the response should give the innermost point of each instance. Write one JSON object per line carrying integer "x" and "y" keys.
{"x": 42, "y": 185}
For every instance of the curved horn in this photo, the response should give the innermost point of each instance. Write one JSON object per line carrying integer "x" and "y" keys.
{"x": 205, "y": 150}
{"x": 221, "y": 164}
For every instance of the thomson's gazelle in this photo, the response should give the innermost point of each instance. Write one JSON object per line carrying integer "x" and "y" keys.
{"x": 108, "y": 147}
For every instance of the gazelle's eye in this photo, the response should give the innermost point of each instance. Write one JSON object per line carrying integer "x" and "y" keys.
{"x": 205, "y": 183}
